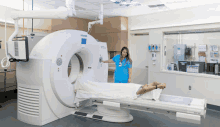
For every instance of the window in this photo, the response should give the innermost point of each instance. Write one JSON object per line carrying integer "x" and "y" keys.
{"x": 192, "y": 51}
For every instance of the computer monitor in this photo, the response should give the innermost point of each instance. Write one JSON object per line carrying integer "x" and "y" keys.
{"x": 218, "y": 69}
{"x": 182, "y": 65}
{"x": 210, "y": 68}
{"x": 201, "y": 66}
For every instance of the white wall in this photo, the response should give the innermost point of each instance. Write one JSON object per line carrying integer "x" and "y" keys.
{"x": 203, "y": 86}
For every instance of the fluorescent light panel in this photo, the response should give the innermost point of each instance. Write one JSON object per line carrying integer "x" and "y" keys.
{"x": 126, "y": 2}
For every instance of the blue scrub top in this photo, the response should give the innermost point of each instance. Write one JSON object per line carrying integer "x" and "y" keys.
{"x": 121, "y": 70}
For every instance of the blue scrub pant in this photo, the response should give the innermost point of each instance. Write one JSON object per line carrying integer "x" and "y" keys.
{"x": 121, "y": 81}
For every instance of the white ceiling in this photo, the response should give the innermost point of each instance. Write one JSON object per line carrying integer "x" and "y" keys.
{"x": 89, "y": 9}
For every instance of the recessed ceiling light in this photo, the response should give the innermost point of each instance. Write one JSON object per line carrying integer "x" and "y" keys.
{"x": 126, "y": 2}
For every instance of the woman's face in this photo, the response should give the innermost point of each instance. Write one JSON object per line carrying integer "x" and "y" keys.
{"x": 124, "y": 53}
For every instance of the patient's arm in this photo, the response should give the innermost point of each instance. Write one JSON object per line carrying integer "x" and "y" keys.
{"x": 150, "y": 87}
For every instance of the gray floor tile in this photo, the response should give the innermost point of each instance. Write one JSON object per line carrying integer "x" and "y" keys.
{"x": 8, "y": 118}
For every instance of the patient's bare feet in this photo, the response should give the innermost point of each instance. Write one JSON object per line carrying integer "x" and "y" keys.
{"x": 155, "y": 84}
{"x": 159, "y": 85}
{"x": 146, "y": 88}
{"x": 162, "y": 86}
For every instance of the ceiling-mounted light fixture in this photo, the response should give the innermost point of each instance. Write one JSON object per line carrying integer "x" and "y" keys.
{"x": 126, "y": 2}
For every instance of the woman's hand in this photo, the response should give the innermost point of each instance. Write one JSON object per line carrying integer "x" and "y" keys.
{"x": 129, "y": 80}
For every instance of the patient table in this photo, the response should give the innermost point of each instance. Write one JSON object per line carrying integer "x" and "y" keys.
{"x": 186, "y": 109}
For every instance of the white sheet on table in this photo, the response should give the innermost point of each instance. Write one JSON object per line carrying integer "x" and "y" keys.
{"x": 88, "y": 89}
{"x": 108, "y": 90}
{"x": 197, "y": 102}
{"x": 154, "y": 94}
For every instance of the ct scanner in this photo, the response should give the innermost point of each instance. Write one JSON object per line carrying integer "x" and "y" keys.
{"x": 46, "y": 92}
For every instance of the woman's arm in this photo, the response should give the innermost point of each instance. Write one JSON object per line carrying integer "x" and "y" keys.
{"x": 108, "y": 61}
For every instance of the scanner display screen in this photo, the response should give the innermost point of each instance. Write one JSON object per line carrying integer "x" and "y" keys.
{"x": 83, "y": 41}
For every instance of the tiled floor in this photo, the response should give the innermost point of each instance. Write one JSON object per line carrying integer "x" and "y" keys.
{"x": 8, "y": 118}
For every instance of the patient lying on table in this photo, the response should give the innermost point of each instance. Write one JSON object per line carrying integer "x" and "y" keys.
{"x": 88, "y": 89}
{"x": 150, "y": 87}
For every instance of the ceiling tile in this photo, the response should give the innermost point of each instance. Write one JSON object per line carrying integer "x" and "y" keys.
{"x": 110, "y": 8}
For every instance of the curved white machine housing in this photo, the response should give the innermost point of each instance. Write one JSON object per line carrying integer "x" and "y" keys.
{"x": 45, "y": 92}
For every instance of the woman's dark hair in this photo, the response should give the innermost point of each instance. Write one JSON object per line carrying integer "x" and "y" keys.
{"x": 127, "y": 56}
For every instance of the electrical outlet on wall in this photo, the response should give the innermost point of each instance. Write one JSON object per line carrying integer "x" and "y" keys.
{"x": 154, "y": 57}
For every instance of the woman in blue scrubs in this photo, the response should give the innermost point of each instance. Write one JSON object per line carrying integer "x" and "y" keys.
{"x": 123, "y": 65}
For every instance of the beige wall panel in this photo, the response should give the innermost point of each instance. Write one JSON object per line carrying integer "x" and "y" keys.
{"x": 70, "y": 23}
{"x": 110, "y": 25}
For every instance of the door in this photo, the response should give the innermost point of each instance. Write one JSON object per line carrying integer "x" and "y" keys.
{"x": 139, "y": 55}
